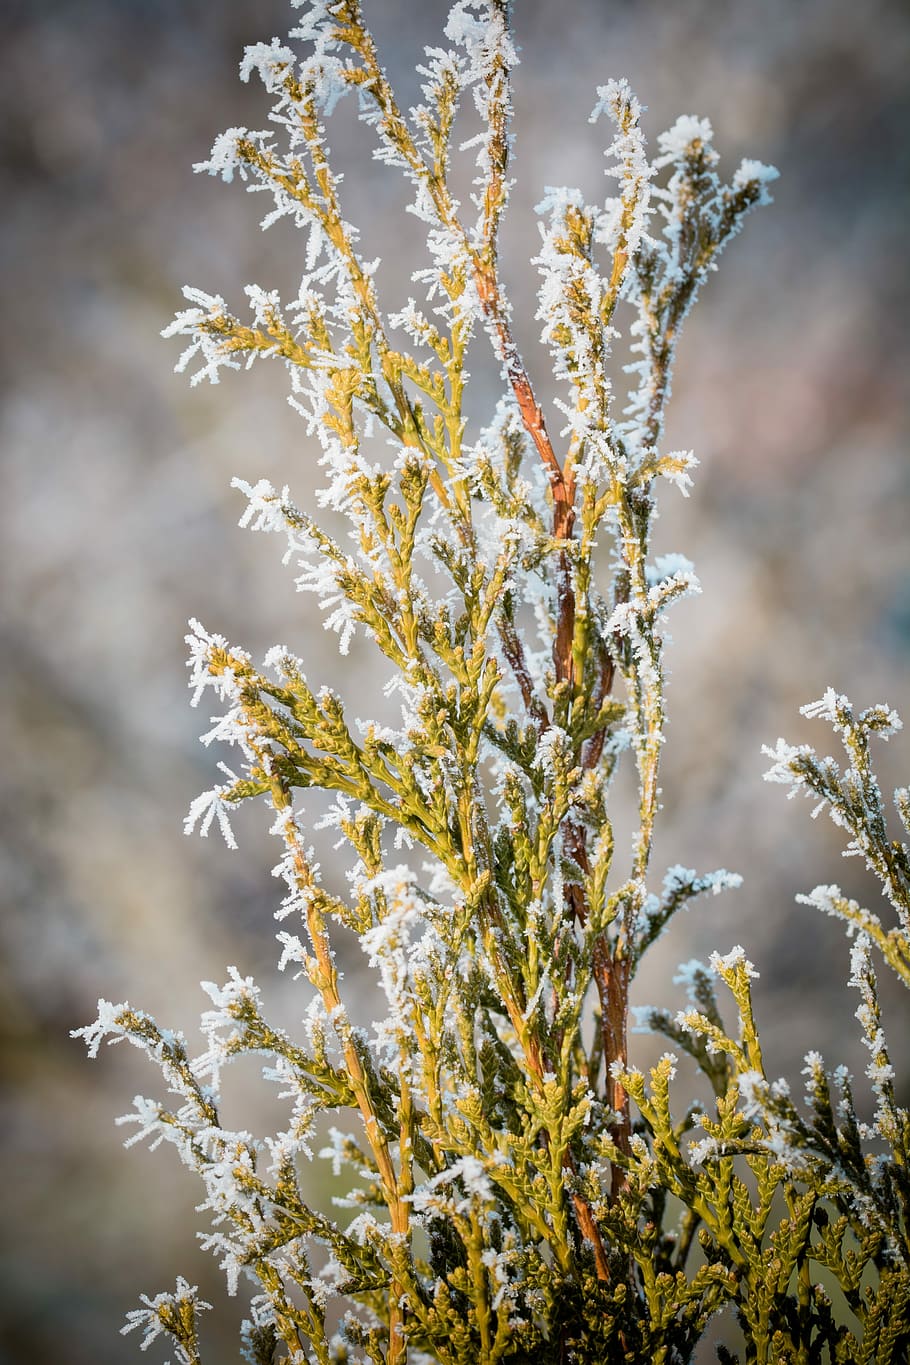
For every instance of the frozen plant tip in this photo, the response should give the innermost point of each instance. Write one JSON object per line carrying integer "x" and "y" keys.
{"x": 518, "y": 1188}
{"x": 173, "y": 1316}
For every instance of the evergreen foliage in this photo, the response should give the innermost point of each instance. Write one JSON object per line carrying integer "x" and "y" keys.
{"x": 520, "y": 1191}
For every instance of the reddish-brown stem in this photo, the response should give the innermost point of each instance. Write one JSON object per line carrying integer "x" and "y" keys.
{"x": 562, "y": 484}
{"x": 589, "y": 1228}
{"x": 515, "y": 655}
{"x": 593, "y": 749}
{"x": 611, "y": 974}
{"x": 565, "y": 620}
{"x": 531, "y": 412}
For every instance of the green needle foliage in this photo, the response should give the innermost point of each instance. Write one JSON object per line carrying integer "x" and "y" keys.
{"x": 520, "y": 1191}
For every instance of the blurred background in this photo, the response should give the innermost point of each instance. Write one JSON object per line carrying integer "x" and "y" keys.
{"x": 117, "y": 523}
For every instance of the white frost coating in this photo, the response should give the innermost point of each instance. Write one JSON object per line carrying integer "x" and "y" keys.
{"x": 208, "y": 807}
{"x": 826, "y": 708}
{"x": 852, "y": 797}
{"x": 484, "y": 37}
{"x": 554, "y": 751}
{"x": 106, "y": 1026}
{"x": 671, "y": 580}
{"x": 265, "y": 510}
{"x": 837, "y": 710}
{"x": 732, "y": 961}
{"x": 755, "y": 172}
{"x": 434, "y": 1195}
{"x": 238, "y": 991}
{"x": 669, "y": 566}
{"x": 392, "y": 933}
{"x": 785, "y": 756}
{"x": 670, "y": 1061}
{"x": 675, "y": 143}
{"x": 705, "y": 1150}
{"x": 272, "y": 62}
{"x": 830, "y": 900}
{"x": 676, "y": 469}
{"x": 224, "y": 160}
{"x": 692, "y": 1021}
{"x": 889, "y": 1120}
{"x": 616, "y": 224}
{"x": 152, "y": 1318}
{"x": 679, "y": 878}
{"x": 191, "y": 322}
{"x": 767, "y": 1104}
{"x": 576, "y": 297}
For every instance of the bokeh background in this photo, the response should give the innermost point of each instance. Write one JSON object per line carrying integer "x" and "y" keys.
{"x": 117, "y": 523}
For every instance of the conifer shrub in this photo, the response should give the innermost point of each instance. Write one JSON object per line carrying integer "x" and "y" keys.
{"x": 519, "y": 1190}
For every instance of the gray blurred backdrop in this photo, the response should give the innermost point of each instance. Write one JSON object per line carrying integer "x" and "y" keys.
{"x": 117, "y": 523}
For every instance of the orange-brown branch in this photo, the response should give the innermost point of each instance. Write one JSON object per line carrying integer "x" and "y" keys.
{"x": 562, "y": 481}
{"x": 562, "y": 484}
{"x": 611, "y": 975}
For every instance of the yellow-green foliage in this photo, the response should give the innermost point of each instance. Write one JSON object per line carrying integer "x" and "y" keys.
{"x": 521, "y": 1191}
